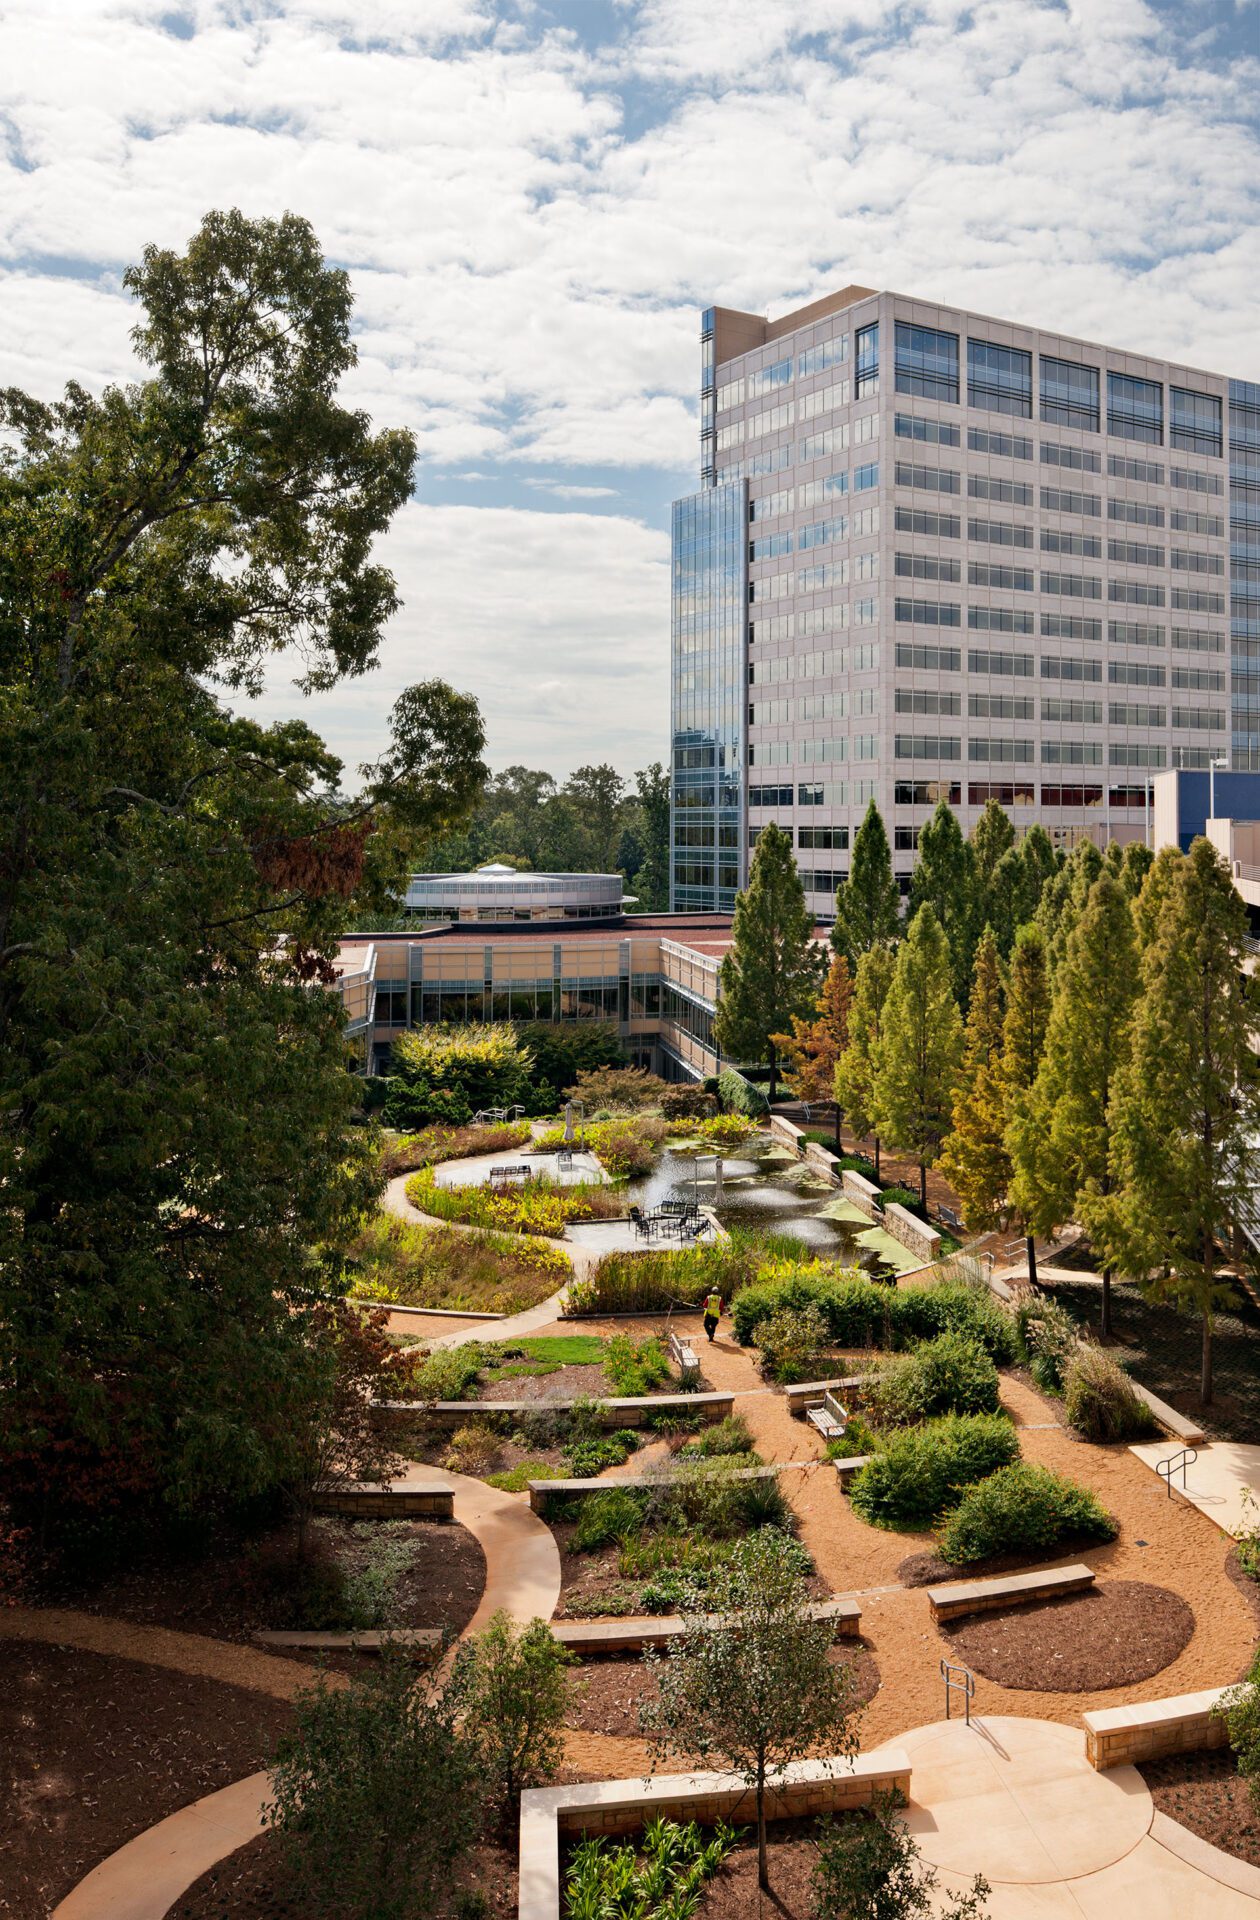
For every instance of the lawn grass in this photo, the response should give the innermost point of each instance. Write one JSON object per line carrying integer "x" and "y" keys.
{"x": 547, "y": 1354}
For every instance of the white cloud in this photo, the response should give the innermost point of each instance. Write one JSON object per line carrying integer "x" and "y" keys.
{"x": 557, "y": 622}
{"x": 565, "y": 491}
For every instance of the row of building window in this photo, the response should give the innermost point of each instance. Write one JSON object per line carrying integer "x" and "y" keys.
{"x": 1054, "y": 753}
{"x": 1133, "y": 593}
{"x": 1054, "y": 499}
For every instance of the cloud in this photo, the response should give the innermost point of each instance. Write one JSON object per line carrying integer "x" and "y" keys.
{"x": 565, "y": 491}
{"x": 557, "y": 622}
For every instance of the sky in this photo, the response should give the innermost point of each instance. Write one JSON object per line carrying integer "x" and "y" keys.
{"x": 534, "y": 200}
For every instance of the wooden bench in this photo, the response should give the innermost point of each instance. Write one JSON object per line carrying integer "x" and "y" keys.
{"x": 358, "y": 1500}
{"x": 830, "y": 1419}
{"x": 593, "y": 1639}
{"x": 684, "y": 1357}
{"x": 850, "y": 1466}
{"x": 811, "y": 1393}
{"x": 1011, "y": 1590}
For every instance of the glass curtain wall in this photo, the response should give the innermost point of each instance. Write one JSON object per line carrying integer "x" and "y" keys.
{"x": 1244, "y": 569}
{"x": 709, "y": 655}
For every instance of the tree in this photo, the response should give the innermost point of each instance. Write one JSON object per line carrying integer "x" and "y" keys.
{"x": 770, "y": 972}
{"x": 1185, "y": 1110}
{"x": 1063, "y": 900}
{"x": 510, "y": 1687}
{"x": 1154, "y": 893}
{"x": 596, "y": 795}
{"x": 374, "y": 1794}
{"x": 813, "y": 1048}
{"x": 759, "y": 1688}
{"x": 917, "y": 1057}
{"x": 975, "y": 1160}
{"x": 944, "y": 879}
{"x": 174, "y": 877}
{"x": 333, "y": 1427}
{"x": 868, "y": 907}
{"x": 991, "y": 839}
{"x": 1134, "y": 867}
{"x": 1060, "y": 1139}
{"x": 869, "y": 1868}
{"x": 653, "y": 805}
{"x": 1023, "y": 1043}
{"x": 855, "y": 1069}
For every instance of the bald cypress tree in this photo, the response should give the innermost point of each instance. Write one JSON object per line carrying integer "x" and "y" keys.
{"x": 975, "y": 1160}
{"x": 1024, "y": 1042}
{"x": 855, "y": 1069}
{"x": 770, "y": 974}
{"x": 944, "y": 880}
{"x": 868, "y": 907}
{"x": 920, "y": 1045}
{"x": 1185, "y": 1111}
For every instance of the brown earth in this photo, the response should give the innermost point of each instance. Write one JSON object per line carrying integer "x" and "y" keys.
{"x": 1204, "y": 1791}
{"x": 605, "y": 1695}
{"x": 254, "y": 1884}
{"x": 94, "y": 1749}
{"x": 1121, "y": 1632}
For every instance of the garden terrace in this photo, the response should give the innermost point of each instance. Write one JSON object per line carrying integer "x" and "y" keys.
{"x": 403, "y": 1263}
{"x": 543, "y": 1492}
{"x": 610, "y": 1413}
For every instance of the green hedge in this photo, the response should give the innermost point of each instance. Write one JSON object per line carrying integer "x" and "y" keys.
{"x": 1023, "y": 1509}
{"x": 951, "y": 1374}
{"x": 740, "y": 1096}
{"x": 859, "y": 1313}
{"x": 919, "y": 1471}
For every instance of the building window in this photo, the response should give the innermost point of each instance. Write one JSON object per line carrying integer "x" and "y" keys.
{"x": 1194, "y": 421}
{"x": 866, "y": 359}
{"x": 926, "y": 793}
{"x": 927, "y": 613}
{"x": 1135, "y": 408}
{"x": 931, "y": 746}
{"x": 999, "y": 378}
{"x": 940, "y": 433}
{"x": 1069, "y": 394}
{"x": 927, "y": 362}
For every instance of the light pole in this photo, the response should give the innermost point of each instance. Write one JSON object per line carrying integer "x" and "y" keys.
{"x": 1212, "y": 766}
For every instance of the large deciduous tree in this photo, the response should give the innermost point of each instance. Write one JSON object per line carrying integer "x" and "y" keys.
{"x": 919, "y": 1049}
{"x": 1185, "y": 1111}
{"x": 1060, "y": 1138}
{"x": 975, "y": 1160}
{"x": 173, "y": 877}
{"x": 1024, "y": 1041}
{"x": 867, "y": 904}
{"x": 770, "y": 973}
{"x": 855, "y": 1069}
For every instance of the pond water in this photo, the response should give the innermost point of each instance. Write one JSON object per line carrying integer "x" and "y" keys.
{"x": 763, "y": 1187}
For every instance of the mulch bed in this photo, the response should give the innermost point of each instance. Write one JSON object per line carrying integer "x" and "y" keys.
{"x": 605, "y": 1695}
{"x": 566, "y": 1383}
{"x": 93, "y": 1750}
{"x": 1121, "y": 1632}
{"x": 255, "y": 1884}
{"x": 237, "y": 1587}
{"x": 589, "y": 1579}
{"x": 792, "y": 1853}
{"x": 927, "y": 1569}
{"x": 1204, "y": 1791}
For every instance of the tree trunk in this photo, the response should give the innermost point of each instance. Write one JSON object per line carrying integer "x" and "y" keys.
{"x": 763, "y": 1868}
{"x": 923, "y": 1184}
{"x": 1031, "y": 1244}
{"x": 876, "y": 1159}
{"x": 1205, "y": 1370}
{"x": 838, "y": 1119}
{"x": 1105, "y": 1321}
{"x": 774, "y": 1073}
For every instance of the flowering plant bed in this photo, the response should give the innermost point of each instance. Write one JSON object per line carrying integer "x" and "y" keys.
{"x": 535, "y": 1207}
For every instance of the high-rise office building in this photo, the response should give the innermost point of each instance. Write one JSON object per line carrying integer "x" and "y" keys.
{"x": 936, "y": 555}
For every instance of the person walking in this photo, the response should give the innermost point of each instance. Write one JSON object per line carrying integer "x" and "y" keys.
{"x": 712, "y": 1313}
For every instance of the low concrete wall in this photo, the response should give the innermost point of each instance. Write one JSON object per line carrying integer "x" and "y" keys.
{"x": 923, "y": 1241}
{"x": 622, "y": 1806}
{"x": 811, "y": 1393}
{"x": 591, "y": 1639}
{"x": 863, "y": 1193}
{"x": 1190, "y": 1434}
{"x": 1011, "y": 1590}
{"x": 1185, "y": 1723}
{"x": 783, "y": 1131}
{"x": 612, "y": 1413}
{"x": 823, "y": 1161}
{"x": 387, "y": 1503}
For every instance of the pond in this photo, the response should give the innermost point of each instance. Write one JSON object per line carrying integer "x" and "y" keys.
{"x": 765, "y": 1188}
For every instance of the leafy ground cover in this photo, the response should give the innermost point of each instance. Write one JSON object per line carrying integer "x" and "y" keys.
{"x": 408, "y": 1152}
{"x": 400, "y": 1262}
{"x": 536, "y": 1207}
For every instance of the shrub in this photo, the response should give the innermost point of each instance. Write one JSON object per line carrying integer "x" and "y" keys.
{"x": 588, "y": 1457}
{"x": 656, "y": 1280}
{"x": 900, "y": 1197}
{"x": 857, "y": 1438}
{"x": 951, "y": 1374}
{"x": 606, "y": 1517}
{"x": 1241, "y": 1707}
{"x": 1099, "y": 1398}
{"x": 448, "y": 1372}
{"x": 857, "y": 1163}
{"x": 1023, "y": 1509}
{"x": 621, "y": 1089}
{"x": 418, "y": 1266}
{"x": 706, "y": 1495}
{"x": 473, "y": 1449}
{"x": 722, "y": 1130}
{"x": 607, "y": 1879}
{"x": 919, "y": 1471}
{"x": 563, "y": 1050}
{"x": 634, "y": 1367}
{"x": 433, "y": 1145}
{"x": 438, "y": 1070}
{"x": 1048, "y": 1336}
{"x": 957, "y": 1305}
{"x": 516, "y": 1479}
{"x": 869, "y": 1868}
{"x": 731, "y": 1435}
{"x": 687, "y": 1103}
{"x": 740, "y": 1096}
{"x": 374, "y": 1795}
{"x": 509, "y": 1683}
{"x": 792, "y": 1341}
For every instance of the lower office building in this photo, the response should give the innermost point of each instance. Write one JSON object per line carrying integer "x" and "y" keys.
{"x": 940, "y": 556}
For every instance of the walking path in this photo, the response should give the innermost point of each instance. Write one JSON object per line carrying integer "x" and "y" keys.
{"x": 1223, "y": 1483}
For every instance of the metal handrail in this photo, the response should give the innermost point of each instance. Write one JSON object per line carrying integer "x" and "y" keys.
{"x": 1166, "y": 1468}
{"x": 958, "y": 1680}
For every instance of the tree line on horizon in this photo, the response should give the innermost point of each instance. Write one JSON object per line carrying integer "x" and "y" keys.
{"x": 1068, "y": 1037}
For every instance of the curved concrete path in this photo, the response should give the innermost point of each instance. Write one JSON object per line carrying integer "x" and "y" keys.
{"x": 394, "y": 1200}
{"x": 142, "y": 1880}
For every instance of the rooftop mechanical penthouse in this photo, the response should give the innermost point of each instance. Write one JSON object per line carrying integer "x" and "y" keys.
{"x": 940, "y": 556}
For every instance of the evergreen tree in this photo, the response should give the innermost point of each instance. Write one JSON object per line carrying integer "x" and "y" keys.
{"x": 944, "y": 880}
{"x": 1185, "y": 1111}
{"x": 770, "y": 972}
{"x": 1063, "y": 900}
{"x": 855, "y": 1070}
{"x": 1155, "y": 891}
{"x": 1040, "y": 861}
{"x": 1134, "y": 867}
{"x": 917, "y": 1058}
{"x": 975, "y": 1160}
{"x": 813, "y": 1048}
{"x": 867, "y": 903}
{"x": 652, "y": 880}
{"x": 1061, "y": 1138}
{"x": 1024, "y": 1039}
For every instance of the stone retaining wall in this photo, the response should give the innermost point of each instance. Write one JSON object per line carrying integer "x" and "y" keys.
{"x": 863, "y": 1193}
{"x": 1185, "y": 1723}
{"x": 785, "y": 1132}
{"x": 923, "y": 1241}
{"x": 387, "y": 1503}
{"x": 823, "y": 1161}
{"x": 612, "y": 1413}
